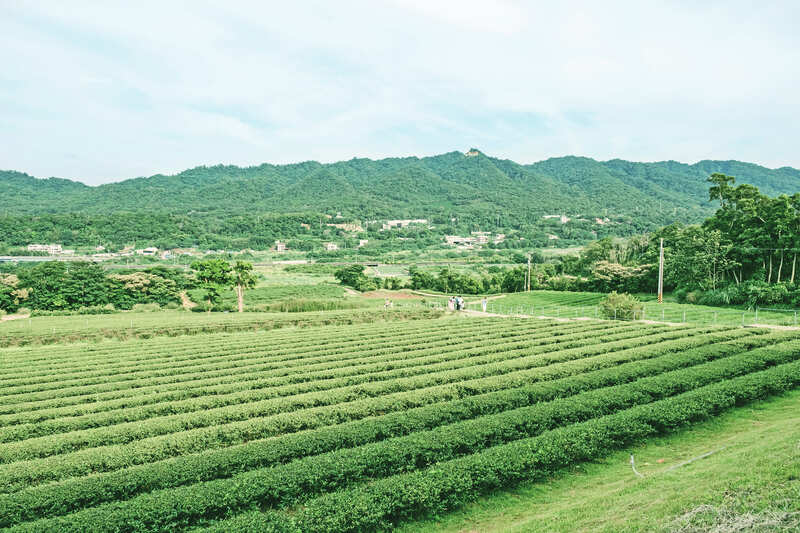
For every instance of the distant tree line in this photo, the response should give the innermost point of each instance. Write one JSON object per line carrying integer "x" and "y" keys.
{"x": 57, "y": 286}
{"x": 746, "y": 253}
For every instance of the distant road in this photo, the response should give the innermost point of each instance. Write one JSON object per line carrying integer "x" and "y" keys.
{"x": 31, "y": 258}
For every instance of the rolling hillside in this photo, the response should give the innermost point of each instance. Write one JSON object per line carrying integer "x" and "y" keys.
{"x": 451, "y": 182}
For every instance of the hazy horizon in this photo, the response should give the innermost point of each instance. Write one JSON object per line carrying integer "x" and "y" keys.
{"x": 107, "y": 92}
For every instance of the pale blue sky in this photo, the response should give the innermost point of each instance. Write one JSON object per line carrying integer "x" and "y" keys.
{"x": 101, "y": 91}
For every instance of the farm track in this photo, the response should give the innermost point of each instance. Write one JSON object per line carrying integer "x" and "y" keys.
{"x": 177, "y": 433}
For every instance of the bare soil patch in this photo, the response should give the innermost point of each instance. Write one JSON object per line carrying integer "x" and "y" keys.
{"x": 391, "y": 295}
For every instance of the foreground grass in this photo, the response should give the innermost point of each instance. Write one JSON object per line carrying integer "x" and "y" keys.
{"x": 585, "y": 304}
{"x": 751, "y": 484}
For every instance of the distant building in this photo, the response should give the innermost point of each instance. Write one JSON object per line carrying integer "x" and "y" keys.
{"x": 354, "y": 228}
{"x": 500, "y": 237}
{"x": 459, "y": 241}
{"x": 362, "y": 242}
{"x": 52, "y": 249}
{"x": 403, "y": 223}
{"x": 481, "y": 237}
{"x": 151, "y": 251}
{"x": 562, "y": 218}
{"x": 280, "y": 246}
{"x": 331, "y": 246}
{"x": 553, "y": 237}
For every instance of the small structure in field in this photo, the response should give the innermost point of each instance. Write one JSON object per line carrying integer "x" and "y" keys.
{"x": 331, "y": 246}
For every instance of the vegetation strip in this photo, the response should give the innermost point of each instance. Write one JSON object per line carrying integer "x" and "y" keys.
{"x": 255, "y": 378}
{"x": 126, "y": 432}
{"x": 271, "y": 487}
{"x": 445, "y": 485}
{"x": 113, "y": 457}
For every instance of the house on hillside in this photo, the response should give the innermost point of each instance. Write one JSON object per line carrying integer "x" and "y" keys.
{"x": 280, "y": 246}
{"x": 390, "y": 224}
{"x": 481, "y": 237}
{"x": 52, "y": 249}
{"x": 150, "y": 251}
{"x": 331, "y": 246}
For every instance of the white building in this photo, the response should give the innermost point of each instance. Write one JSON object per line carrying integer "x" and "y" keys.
{"x": 280, "y": 246}
{"x": 331, "y": 246}
{"x": 152, "y": 250}
{"x": 403, "y": 223}
{"x": 52, "y": 249}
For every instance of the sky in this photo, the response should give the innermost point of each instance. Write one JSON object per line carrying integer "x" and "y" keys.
{"x": 103, "y": 91}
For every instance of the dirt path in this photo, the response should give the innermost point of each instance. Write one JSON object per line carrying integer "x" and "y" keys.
{"x": 186, "y": 302}
{"x": 12, "y": 317}
{"x": 351, "y": 292}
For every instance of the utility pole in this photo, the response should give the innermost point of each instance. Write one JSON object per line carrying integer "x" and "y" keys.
{"x": 661, "y": 272}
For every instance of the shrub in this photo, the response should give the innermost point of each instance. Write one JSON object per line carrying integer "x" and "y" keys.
{"x": 146, "y": 308}
{"x": 621, "y": 306}
{"x": 302, "y": 305}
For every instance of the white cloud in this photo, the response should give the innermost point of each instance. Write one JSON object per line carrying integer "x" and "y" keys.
{"x": 100, "y": 91}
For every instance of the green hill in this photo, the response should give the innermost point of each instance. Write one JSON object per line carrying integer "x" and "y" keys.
{"x": 484, "y": 192}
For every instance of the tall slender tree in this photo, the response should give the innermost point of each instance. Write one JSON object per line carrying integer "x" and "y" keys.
{"x": 243, "y": 278}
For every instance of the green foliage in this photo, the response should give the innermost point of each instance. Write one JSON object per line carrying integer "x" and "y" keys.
{"x": 233, "y": 208}
{"x": 353, "y": 276}
{"x": 213, "y": 276}
{"x": 11, "y": 294}
{"x": 621, "y": 306}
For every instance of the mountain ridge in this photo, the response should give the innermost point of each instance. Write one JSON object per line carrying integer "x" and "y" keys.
{"x": 448, "y": 184}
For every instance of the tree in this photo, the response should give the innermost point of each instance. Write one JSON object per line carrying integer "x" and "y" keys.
{"x": 10, "y": 295}
{"x": 243, "y": 278}
{"x": 621, "y": 306}
{"x": 213, "y": 275}
{"x": 354, "y": 276}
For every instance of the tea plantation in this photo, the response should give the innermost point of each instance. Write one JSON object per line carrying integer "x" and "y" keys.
{"x": 349, "y": 427}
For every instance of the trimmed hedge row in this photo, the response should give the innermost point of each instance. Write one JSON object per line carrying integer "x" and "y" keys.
{"x": 126, "y": 432}
{"x": 302, "y": 321}
{"x": 446, "y": 485}
{"x": 306, "y": 349}
{"x": 112, "y": 457}
{"x": 260, "y": 376}
{"x": 21, "y": 359}
{"x": 261, "y": 388}
{"x": 299, "y": 354}
{"x": 288, "y": 483}
{"x": 132, "y": 385}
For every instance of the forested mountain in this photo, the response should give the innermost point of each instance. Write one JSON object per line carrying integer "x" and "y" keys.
{"x": 473, "y": 189}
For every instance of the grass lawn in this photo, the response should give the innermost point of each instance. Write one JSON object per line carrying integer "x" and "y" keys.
{"x": 574, "y": 304}
{"x": 752, "y": 484}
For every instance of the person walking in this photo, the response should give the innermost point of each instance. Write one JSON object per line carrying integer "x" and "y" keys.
{"x": 451, "y": 304}
{"x": 484, "y": 302}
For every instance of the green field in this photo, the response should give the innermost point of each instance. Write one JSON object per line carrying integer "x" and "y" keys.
{"x": 125, "y": 325}
{"x": 350, "y": 427}
{"x": 710, "y": 493}
{"x": 585, "y": 304}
